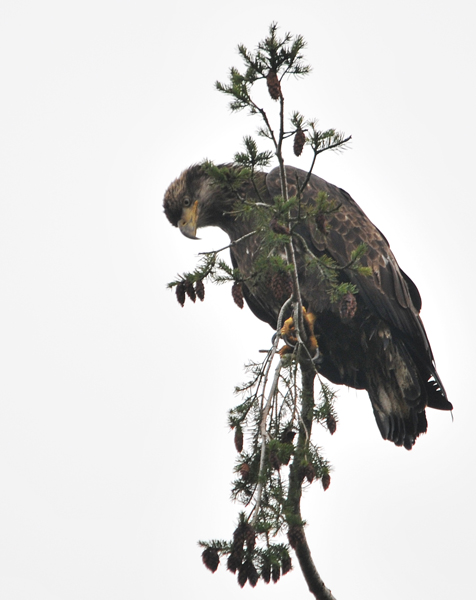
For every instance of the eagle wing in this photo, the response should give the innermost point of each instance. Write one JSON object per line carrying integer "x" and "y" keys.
{"x": 388, "y": 293}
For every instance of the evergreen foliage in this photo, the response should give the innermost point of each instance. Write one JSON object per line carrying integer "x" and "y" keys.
{"x": 273, "y": 422}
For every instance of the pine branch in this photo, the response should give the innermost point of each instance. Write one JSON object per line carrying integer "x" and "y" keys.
{"x": 294, "y": 519}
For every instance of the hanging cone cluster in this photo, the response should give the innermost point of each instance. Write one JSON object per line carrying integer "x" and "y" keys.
{"x": 243, "y": 534}
{"x": 180, "y": 293}
{"x": 237, "y": 293}
{"x": 274, "y": 87}
{"x": 299, "y": 141}
{"x": 211, "y": 559}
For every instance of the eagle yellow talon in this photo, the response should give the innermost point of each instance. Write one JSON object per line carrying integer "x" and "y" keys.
{"x": 288, "y": 332}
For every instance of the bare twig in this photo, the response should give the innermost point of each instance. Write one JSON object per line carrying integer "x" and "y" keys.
{"x": 234, "y": 243}
{"x": 264, "y": 439}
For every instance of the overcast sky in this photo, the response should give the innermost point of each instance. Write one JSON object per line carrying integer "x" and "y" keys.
{"x": 115, "y": 458}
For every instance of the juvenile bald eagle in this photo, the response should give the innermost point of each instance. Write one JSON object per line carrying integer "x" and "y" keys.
{"x": 382, "y": 346}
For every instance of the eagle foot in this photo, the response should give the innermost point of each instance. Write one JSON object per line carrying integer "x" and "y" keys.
{"x": 288, "y": 333}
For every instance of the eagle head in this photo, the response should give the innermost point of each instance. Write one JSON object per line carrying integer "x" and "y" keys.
{"x": 194, "y": 200}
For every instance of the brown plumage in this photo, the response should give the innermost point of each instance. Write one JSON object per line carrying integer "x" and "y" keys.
{"x": 374, "y": 340}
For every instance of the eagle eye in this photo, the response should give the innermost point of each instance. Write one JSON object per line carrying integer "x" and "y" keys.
{"x": 187, "y": 202}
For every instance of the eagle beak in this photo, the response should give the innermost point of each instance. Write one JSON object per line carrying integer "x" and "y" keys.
{"x": 188, "y": 222}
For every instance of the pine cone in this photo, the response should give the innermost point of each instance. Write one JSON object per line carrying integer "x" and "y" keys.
{"x": 190, "y": 291}
{"x": 295, "y": 535}
{"x": 200, "y": 290}
{"x": 234, "y": 561}
{"x": 321, "y": 223}
{"x": 299, "y": 140}
{"x": 239, "y": 536}
{"x": 274, "y": 87}
{"x": 237, "y": 293}
{"x": 252, "y": 575}
{"x": 250, "y": 536}
{"x": 266, "y": 571}
{"x": 245, "y": 470}
{"x": 275, "y": 573}
{"x": 348, "y": 307}
{"x": 238, "y": 438}
{"x": 331, "y": 423}
{"x": 180, "y": 293}
{"x": 274, "y": 460}
{"x": 309, "y": 472}
{"x": 288, "y": 435}
{"x": 278, "y": 228}
{"x": 211, "y": 559}
{"x": 281, "y": 286}
{"x": 286, "y": 564}
{"x": 326, "y": 481}
{"x": 244, "y": 573}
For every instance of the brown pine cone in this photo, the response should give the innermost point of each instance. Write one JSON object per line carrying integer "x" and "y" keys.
{"x": 309, "y": 472}
{"x": 237, "y": 293}
{"x": 281, "y": 286}
{"x": 326, "y": 481}
{"x": 239, "y": 536}
{"x": 286, "y": 564}
{"x": 299, "y": 140}
{"x": 238, "y": 438}
{"x": 321, "y": 223}
{"x": 266, "y": 571}
{"x": 331, "y": 423}
{"x": 250, "y": 536}
{"x": 242, "y": 576}
{"x": 274, "y": 87}
{"x": 274, "y": 460}
{"x": 200, "y": 290}
{"x": 234, "y": 561}
{"x": 245, "y": 471}
{"x": 211, "y": 559}
{"x": 180, "y": 292}
{"x": 252, "y": 574}
{"x": 190, "y": 291}
{"x": 278, "y": 228}
{"x": 348, "y": 307}
{"x": 288, "y": 435}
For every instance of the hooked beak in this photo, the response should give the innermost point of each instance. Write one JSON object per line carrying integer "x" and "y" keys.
{"x": 188, "y": 221}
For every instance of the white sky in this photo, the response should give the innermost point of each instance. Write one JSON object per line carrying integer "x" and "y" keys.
{"x": 115, "y": 458}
